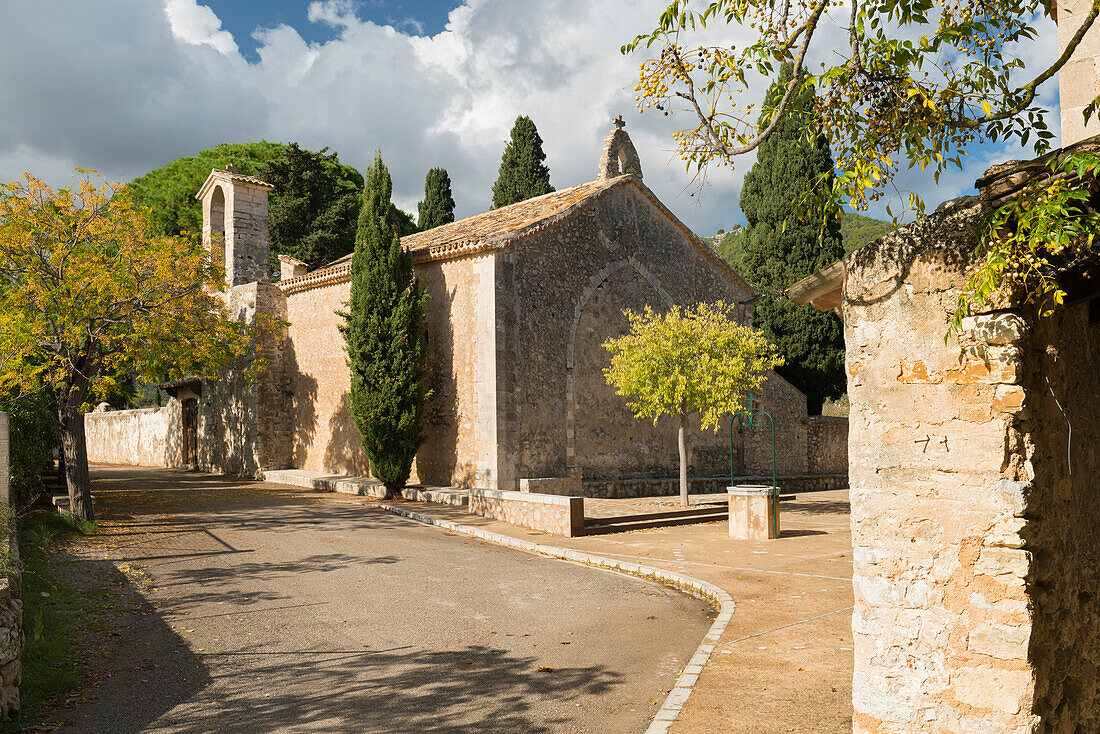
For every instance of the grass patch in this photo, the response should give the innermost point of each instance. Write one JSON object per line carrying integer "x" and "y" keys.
{"x": 57, "y": 618}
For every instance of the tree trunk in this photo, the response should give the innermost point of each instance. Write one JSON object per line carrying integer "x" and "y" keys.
{"x": 683, "y": 459}
{"x": 75, "y": 454}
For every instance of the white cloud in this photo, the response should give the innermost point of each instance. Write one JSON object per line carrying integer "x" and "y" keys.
{"x": 198, "y": 25}
{"x": 126, "y": 86}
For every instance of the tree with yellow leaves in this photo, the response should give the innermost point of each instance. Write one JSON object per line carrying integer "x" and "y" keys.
{"x": 89, "y": 289}
{"x": 691, "y": 360}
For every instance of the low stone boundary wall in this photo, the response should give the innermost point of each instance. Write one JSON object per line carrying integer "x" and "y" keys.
{"x": 11, "y": 631}
{"x": 827, "y": 445}
{"x": 550, "y": 513}
{"x": 626, "y": 488}
{"x": 139, "y": 437}
{"x": 11, "y": 597}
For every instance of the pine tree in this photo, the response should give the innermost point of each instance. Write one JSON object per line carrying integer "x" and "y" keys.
{"x": 523, "y": 174}
{"x": 785, "y": 242}
{"x": 313, "y": 216}
{"x": 384, "y": 336}
{"x": 438, "y": 207}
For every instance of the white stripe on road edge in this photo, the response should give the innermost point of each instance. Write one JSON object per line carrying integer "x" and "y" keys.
{"x": 678, "y": 696}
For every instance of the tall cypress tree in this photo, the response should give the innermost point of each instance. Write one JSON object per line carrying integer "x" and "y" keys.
{"x": 384, "y": 336}
{"x": 438, "y": 207}
{"x": 523, "y": 174}
{"x": 785, "y": 242}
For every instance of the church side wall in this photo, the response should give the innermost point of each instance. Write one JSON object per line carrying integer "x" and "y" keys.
{"x": 460, "y": 443}
{"x": 572, "y": 282}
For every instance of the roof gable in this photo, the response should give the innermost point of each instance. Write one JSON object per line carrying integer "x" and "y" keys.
{"x": 500, "y": 228}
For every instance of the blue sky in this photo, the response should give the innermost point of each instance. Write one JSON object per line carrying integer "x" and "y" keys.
{"x": 242, "y": 17}
{"x": 125, "y": 86}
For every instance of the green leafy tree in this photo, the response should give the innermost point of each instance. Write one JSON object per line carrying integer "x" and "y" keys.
{"x": 314, "y": 206}
{"x": 914, "y": 84}
{"x": 89, "y": 290}
{"x": 312, "y": 211}
{"x": 522, "y": 174}
{"x": 385, "y": 338}
{"x": 693, "y": 360}
{"x": 169, "y": 192}
{"x": 438, "y": 207}
{"x": 780, "y": 248}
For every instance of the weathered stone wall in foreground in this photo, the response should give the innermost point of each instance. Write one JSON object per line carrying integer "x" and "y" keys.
{"x": 976, "y": 549}
{"x": 11, "y": 596}
{"x": 140, "y": 437}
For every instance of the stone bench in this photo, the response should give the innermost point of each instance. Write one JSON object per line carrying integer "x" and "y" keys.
{"x": 550, "y": 513}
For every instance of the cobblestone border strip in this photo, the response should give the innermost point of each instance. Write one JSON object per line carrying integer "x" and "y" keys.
{"x": 680, "y": 692}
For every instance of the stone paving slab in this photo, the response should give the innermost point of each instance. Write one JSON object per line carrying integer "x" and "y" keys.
{"x": 784, "y": 663}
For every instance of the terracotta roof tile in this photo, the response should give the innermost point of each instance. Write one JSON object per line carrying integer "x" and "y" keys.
{"x": 498, "y": 226}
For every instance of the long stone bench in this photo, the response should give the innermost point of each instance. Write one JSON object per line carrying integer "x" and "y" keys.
{"x": 550, "y": 513}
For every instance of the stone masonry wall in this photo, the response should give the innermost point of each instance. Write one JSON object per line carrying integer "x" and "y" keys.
{"x": 245, "y": 426}
{"x": 11, "y": 630}
{"x": 572, "y": 281}
{"x": 11, "y": 596}
{"x": 1062, "y": 531}
{"x": 942, "y": 622}
{"x": 460, "y": 442}
{"x": 141, "y": 437}
{"x": 827, "y": 445}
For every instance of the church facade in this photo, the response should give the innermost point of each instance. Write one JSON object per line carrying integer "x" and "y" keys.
{"x": 522, "y": 298}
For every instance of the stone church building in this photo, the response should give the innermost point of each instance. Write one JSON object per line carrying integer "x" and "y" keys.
{"x": 522, "y": 299}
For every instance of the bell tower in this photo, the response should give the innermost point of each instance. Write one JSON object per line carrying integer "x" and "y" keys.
{"x": 234, "y": 225}
{"x": 618, "y": 156}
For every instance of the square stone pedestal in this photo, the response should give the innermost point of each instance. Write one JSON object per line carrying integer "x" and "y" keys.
{"x": 753, "y": 512}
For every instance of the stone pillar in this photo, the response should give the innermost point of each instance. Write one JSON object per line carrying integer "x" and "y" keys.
{"x": 5, "y": 461}
{"x": 1078, "y": 80}
{"x": 975, "y": 506}
{"x": 754, "y": 512}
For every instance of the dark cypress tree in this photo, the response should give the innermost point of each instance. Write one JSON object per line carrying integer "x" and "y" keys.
{"x": 312, "y": 216}
{"x": 438, "y": 207}
{"x": 523, "y": 174}
{"x": 785, "y": 242}
{"x": 384, "y": 336}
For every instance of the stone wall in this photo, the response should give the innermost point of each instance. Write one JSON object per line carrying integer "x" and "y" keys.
{"x": 460, "y": 445}
{"x": 548, "y": 513}
{"x": 1078, "y": 82}
{"x": 141, "y": 437}
{"x": 246, "y": 425}
{"x": 11, "y": 595}
{"x": 1058, "y": 469}
{"x": 827, "y": 445}
{"x": 971, "y": 541}
{"x": 11, "y": 630}
{"x": 572, "y": 282}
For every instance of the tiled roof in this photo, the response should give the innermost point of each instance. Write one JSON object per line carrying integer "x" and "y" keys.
{"x": 498, "y": 228}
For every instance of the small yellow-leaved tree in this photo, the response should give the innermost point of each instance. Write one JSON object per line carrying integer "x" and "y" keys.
{"x": 691, "y": 360}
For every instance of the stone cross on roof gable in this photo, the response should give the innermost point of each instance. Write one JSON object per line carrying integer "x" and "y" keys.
{"x": 619, "y": 123}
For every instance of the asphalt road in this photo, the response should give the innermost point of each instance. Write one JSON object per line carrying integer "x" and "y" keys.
{"x": 255, "y": 608}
